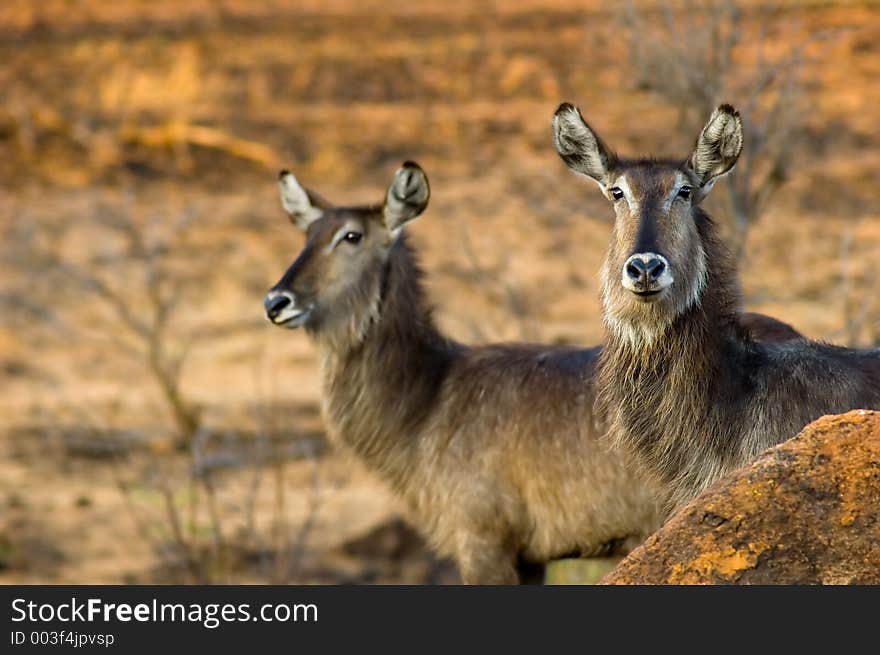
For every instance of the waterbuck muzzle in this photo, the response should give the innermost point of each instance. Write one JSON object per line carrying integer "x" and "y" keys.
{"x": 282, "y": 309}
{"x": 646, "y": 274}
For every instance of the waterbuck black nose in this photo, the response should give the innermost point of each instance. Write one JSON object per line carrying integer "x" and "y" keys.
{"x": 654, "y": 269}
{"x": 644, "y": 269}
{"x": 635, "y": 268}
{"x": 640, "y": 270}
{"x": 274, "y": 304}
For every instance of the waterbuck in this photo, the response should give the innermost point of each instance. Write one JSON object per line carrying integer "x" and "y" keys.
{"x": 680, "y": 383}
{"x": 494, "y": 449}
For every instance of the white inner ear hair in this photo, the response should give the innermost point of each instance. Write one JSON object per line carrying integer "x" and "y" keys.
{"x": 295, "y": 200}
{"x": 394, "y": 215}
{"x": 575, "y": 140}
{"x": 398, "y": 212}
{"x": 720, "y": 141}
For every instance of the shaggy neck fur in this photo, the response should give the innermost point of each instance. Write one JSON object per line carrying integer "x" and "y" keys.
{"x": 701, "y": 397}
{"x": 658, "y": 381}
{"x": 381, "y": 372}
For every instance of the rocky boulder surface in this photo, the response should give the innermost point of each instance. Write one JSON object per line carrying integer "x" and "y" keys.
{"x": 804, "y": 512}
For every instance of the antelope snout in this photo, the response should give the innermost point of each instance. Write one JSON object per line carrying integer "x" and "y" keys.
{"x": 275, "y": 302}
{"x": 646, "y": 274}
{"x": 281, "y": 309}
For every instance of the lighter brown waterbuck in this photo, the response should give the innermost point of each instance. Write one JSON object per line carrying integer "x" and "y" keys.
{"x": 680, "y": 383}
{"x": 494, "y": 449}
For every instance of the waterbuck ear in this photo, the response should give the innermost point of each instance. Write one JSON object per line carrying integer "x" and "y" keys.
{"x": 302, "y": 206}
{"x": 718, "y": 146}
{"x": 579, "y": 146}
{"x": 407, "y": 196}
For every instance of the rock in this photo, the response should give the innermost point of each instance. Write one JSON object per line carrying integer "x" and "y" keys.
{"x": 804, "y": 512}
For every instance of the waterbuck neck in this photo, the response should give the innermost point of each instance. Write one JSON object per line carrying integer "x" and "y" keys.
{"x": 381, "y": 381}
{"x": 654, "y": 392}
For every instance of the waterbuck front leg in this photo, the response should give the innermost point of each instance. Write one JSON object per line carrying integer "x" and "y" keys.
{"x": 485, "y": 559}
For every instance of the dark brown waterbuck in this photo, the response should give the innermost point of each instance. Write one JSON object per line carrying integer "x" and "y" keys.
{"x": 680, "y": 382}
{"x": 494, "y": 449}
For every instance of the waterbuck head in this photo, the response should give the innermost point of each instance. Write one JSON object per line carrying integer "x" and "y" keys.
{"x": 657, "y": 263}
{"x": 336, "y": 281}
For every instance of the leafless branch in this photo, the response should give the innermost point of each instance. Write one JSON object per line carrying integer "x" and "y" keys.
{"x": 136, "y": 282}
{"x": 688, "y": 53}
{"x": 499, "y": 287}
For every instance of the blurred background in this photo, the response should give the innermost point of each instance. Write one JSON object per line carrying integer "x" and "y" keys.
{"x": 154, "y": 428}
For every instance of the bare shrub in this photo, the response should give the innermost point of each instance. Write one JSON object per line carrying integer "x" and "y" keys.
{"x": 692, "y": 54}
{"x": 117, "y": 281}
{"x": 860, "y": 297}
{"x": 126, "y": 284}
{"x": 181, "y": 512}
{"x": 499, "y": 287}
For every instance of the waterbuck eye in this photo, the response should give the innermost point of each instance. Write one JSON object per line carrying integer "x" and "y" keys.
{"x": 616, "y": 193}
{"x": 353, "y": 237}
{"x": 685, "y": 192}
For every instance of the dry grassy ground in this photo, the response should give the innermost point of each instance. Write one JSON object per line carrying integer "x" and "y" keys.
{"x": 165, "y": 109}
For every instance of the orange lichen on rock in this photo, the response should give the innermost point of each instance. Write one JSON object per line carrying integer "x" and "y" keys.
{"x": 804, "y": 512}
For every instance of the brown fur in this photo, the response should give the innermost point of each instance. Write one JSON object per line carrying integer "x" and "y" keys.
{"x": 495, "y": 449}
{"x": 680, "y": 380}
